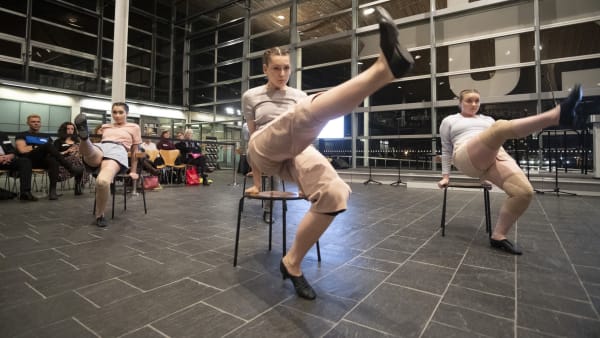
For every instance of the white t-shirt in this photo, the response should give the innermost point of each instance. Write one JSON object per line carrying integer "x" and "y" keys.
{"x": 263, "y": 105}
{"x": 457, "y": 129}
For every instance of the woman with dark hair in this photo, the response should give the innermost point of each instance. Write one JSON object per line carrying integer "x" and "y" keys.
{"x": 67, "y": 144}
{"x": 165, "y": 142}
{"x": 111, "y": 154}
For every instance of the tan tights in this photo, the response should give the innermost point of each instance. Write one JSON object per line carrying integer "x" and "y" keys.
{"x": 500, "y": 169}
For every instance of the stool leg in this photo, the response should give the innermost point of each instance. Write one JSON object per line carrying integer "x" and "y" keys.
{"x": 125, "y": 192}
{"x": 488, "y": 218}
{"x": 284, "y": 228}
{"x": 112, "y": 191}
{"x": 144, "y": 195}
{"x": 444, "y": 213}
{"x": 237, "y": 231}
{"x": 270, "y": 222}
{"x": 318, "y": 252}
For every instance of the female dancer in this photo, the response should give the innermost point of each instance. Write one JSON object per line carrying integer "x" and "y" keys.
{"x": 474, "y": 143}
{"x": 111, "y": 154}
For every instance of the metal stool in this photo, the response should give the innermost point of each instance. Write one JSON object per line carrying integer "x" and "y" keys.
{"x": 486, "y": 202}
{"x": 268, "y": 196}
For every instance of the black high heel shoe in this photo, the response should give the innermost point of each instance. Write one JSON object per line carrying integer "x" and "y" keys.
{"x": 506, "y": 245}
{"x": 398, "y": 58}
{"x": 568, "y": 115}
{"x": 303, "y": 289}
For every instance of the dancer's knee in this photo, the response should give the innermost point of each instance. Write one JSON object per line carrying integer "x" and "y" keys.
{"x": 103, "y": 182}
{"x": 332, "y": 198}
{"x": 497, "y": 134}
{"x": 520, "y": 193}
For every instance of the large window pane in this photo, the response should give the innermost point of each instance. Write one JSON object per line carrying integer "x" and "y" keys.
{"x": 203, "y": 59}
{"x": 231, "y": 32}
{"x": 10, "y": 48}
{"x": 229, "y": 72}
{"x": 314, "y": 78}
{"x": 314, "y": 55}
{"x": 400, "y": 122}
{"x": 11, "y": 70}
{"x": 229, "y": 91}
{"x": 48, "y": 56}
{"x": 65, "y": 16}
{"x": 138, "y": 57}
{"x": 202, "y": 77}
{"x": 397, "y": 9}
{"x": 279, "y": 38}
{"x": 270, "y": 20}
{"x": 403, "y": 92}
{"x": 230, "y": 52}
{"x": 62, "y": 37}
{"x": 469, "y": 25}
{"x": 201, "y": 95}
{"x": 553, "y": 11}
{"x": 56, "y": 79}
{"x": 330, "y": 25}
{"x": 570, "y": 40}
{"x": 12, "y": 24}
{"x": 139, "y": 39}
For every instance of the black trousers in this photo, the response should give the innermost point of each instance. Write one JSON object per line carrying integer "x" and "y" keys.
{"x": 22, "y": 166}
{"x": 47, "y": 157}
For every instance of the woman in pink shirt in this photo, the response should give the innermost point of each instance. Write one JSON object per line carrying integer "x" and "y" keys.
{"x": 111, "y": 154}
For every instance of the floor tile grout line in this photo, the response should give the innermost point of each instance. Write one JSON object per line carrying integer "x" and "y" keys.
{"x": 459, "y": 328}
{"x": 481, "y": 312}
{"x": 85, "y": 327}
{"x": 87, "y": 299}
{"x": 481, "y": 291}
{"x": 361, "y": 325}
{"x": 36, "y": 290}
{"x": 455, "y": 271}
{"x": 407, "y": 259}
{"x": 570, "y": 261}
{"x": 151, "y": 327}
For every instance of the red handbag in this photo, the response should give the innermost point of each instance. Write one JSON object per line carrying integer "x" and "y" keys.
{"x": 151, "y": 182}
{"x": 191, "y": 176}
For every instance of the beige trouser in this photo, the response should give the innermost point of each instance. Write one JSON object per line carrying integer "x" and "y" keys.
{"x": 284, "y": 148}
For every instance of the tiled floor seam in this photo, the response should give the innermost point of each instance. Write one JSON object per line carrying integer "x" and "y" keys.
{"x": 401, "y": 264}
{"x": 460, "y": 328}
{"x": 474, "y": 310}
{"x": 87, "y": 299}
{"x": 589, "y": 298}
{"x": 85, "y": 327}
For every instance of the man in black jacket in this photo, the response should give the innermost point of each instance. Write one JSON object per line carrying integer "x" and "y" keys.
{"x": 22, "y": 165}
{"x": 39, "y": 148}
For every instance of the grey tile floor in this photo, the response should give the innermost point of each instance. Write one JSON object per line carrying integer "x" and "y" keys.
{"x": 386, "y": 270}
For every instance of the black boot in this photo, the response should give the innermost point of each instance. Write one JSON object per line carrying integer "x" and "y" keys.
{"x": 52, "y": 195}
{"x": 81, "y": 124}
{"x": 568, "y": 113}
{"x": 78, "y": 190}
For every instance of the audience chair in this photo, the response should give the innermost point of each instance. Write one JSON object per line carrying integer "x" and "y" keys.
{"x": 486, "y": 187}
{"x": 8, "y": 175}
{"x": 35, "y": 172}
{"x": 169, "y": 156}
{"x": 268, "y": 197}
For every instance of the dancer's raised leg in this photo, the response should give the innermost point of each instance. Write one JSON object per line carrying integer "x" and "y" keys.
{"x": 91, "y": 154}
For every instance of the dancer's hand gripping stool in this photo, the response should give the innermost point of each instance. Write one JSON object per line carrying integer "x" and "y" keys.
{"x": 473, "y": 142}
{"x": 283, "y": 146}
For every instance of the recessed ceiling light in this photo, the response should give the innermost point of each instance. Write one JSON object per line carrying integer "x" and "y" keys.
{"x": 280, "y": 17}
{"x": 417, "y": 57}
{"x": 369, "y": 11}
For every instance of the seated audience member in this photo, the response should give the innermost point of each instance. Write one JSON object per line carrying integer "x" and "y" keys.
{"x": 191, "y": 153}
{"x": 165, "y": 142}
{"x": 21, "y": 165}
{"x": 38, "y": 148}
{"x": 67, "y": 144}
{"x": 96, "y": 137}
{"x": 148, "y": 145}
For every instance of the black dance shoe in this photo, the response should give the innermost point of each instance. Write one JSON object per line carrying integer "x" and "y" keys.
{"x": 568, "y": 114}
{"x": 82, "y": 127}
{"x": 398, "y": 58}
{"x": 27, "y": 196}
{"x": 303, "y": 289}
{"x": 101, "y": 222}
{"x": 506, "y": 245}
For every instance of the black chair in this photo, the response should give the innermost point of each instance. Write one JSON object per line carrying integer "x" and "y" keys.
{"x": 270, "y": 197}
{"x": 486, "y": 187}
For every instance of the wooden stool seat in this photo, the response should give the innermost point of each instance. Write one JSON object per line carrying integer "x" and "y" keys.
{"x": 486, "y": 187}
{"x": 275, "y": 195}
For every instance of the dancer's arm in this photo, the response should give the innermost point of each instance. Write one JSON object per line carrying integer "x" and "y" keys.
{"x": 447, "y": 148}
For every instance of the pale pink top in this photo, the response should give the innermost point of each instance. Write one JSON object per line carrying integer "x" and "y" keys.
{"x": 126, "y": 134}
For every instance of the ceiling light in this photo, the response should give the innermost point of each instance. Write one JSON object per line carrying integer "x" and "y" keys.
{"x": 229, "y": 111}
{"x": 507, "y": 52}
{"x": 280, "y": 17}
{"x": 369, "y": 11}
{"x": 417, "y": 57}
